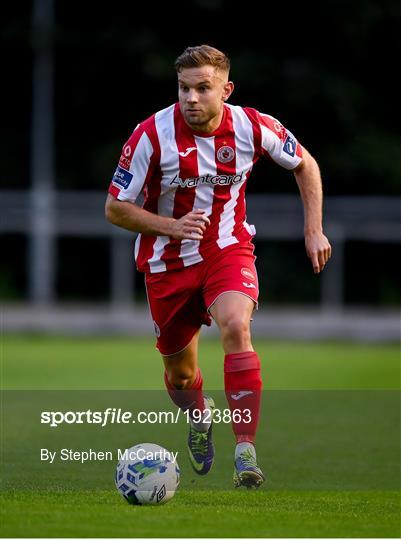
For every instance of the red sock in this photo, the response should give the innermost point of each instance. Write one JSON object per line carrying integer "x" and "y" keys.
{"x": 243, "y": 386}
{"x": 189, "y": 399}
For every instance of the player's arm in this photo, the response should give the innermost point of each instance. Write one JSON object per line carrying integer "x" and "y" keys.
{"x": 281, "y": 145}
{"x": 132, "y": 217}
{"x": 307, "y": 175}
{"x": 138, "y": 159}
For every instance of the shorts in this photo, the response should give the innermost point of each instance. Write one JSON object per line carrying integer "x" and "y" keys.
{"x": 180, "y": 300}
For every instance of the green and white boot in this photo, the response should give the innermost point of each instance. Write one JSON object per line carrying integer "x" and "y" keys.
{"x": 200, "y": 444}
{"x": 246, "y": 471}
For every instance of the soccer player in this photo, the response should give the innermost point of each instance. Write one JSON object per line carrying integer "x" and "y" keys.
{"x": 192, "y": 161}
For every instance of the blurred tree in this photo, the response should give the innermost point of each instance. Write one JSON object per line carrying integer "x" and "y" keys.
{"x": 319, "y": 67}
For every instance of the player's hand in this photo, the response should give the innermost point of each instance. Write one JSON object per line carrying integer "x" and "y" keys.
{"x": 318, "y": 250}
{"x": 191, "y": 226}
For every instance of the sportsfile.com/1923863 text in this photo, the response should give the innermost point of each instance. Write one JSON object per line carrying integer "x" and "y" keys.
{"x": 113, "y": 415}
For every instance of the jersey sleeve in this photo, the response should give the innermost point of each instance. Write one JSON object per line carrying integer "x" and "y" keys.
{"x": 134, "y": 166}
{"x": 278, "y": 143}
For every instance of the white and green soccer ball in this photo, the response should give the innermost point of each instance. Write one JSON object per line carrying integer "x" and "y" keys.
{"x": 147, "y": 474}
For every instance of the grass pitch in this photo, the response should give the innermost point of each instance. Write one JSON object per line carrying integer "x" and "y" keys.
{"x": 204, "y": 514}
{"x": 330, "y": 448}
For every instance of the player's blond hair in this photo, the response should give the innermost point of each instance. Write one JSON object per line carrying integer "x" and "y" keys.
{"x": 202, "y": 55}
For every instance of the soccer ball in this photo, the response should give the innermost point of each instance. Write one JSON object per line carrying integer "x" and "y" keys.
{"x": 147, "y": 474}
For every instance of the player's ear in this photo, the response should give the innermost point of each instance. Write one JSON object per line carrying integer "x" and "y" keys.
{"x": 227, "y": 90}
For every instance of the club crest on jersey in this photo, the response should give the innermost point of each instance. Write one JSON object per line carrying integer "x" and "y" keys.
{"x": 225, "y": 154}
{"x": 290, "y": 146}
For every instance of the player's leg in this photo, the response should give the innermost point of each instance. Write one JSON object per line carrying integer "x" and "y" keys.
{"x": 184, "y": 383}
{"x": 243, "y": 384}
{"x": 178, "y": 312}
{"x": 242, "y": 380}
{"x": 231, "y": 294}
{"x": 181, "y": 368}
{"x": 183, "y": 378}
{"x": 232, "y": 312}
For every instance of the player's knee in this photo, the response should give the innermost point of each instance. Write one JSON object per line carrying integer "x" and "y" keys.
{"x": 180, "y": 378}
{"x": 235, "y": 326}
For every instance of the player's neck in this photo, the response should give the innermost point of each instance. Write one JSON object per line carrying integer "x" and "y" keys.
{"x": 209, "y": 126}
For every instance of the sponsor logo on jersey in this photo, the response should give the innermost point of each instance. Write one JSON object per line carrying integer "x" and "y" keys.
{"x": 248, "y": 285}
{"x": 290, "y": 146}
{"x": 214, "y": 180}
{"x": 127, "y": 150}
{"x": 280, "y": 129}
{"x": 122, "y": 177}
{"x": 225, "y": 154}
{"x": 125, "y": 158}
{"x": 124, "y": 162}
{"x": 187, "y": 151}
{"x": 248, "y": 274}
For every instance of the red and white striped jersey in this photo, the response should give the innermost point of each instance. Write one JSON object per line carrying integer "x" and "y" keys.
{"x": 180, "y": 170}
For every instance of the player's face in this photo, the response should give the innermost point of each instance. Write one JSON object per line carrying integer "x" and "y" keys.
{"x": 201, "y": 93}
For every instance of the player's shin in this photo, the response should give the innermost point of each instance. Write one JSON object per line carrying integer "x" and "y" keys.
{"x": 243, "y": 387}
{"x": 190, "y": 399}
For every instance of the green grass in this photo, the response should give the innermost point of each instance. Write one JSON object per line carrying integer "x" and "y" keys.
{"x": 204, "y": 514}
{"x": 328, "y": 440}
{"x": 32, "y": 362}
